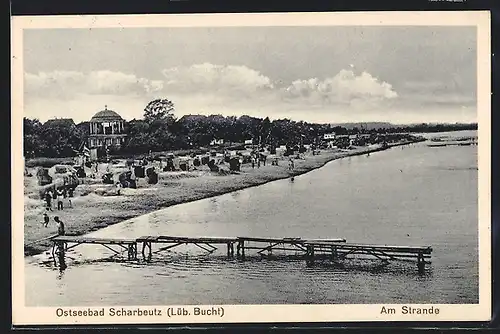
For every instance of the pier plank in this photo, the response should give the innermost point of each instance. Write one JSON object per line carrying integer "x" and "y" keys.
{"x": 90, "y": 240}
{"x": 407, "y": 249}
{"x": 147, "y": 238}
{"x": 328, "y": 241}
{"x": 290, "y": 240}
{"x": 175, "y": 239}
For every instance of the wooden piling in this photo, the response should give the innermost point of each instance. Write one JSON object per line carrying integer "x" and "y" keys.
{"x": 132, "y": 251}
{"x": 421, "y": 263}
{"x": 242, "y": 248}
{"x": 146, "y": 244}
{"x": 333, "y": 255}
{"x": 310, "y": 255}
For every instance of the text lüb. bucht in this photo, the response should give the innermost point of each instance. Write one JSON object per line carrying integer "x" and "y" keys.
{"x": 196, "y": 311}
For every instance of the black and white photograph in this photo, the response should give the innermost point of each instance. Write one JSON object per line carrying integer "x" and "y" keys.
{"x": 251, "y": 167}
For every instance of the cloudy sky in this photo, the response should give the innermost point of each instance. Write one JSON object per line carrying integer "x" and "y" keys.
{"x": 320, "y": 74}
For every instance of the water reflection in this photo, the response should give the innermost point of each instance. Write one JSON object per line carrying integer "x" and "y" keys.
{"x": 214, "y": 204}
{"x": 62, "y": 263}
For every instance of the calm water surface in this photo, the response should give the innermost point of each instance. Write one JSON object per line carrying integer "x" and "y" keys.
{"x": 414, "y": 195}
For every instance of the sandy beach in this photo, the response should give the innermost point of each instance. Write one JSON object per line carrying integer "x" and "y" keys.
{"x": 90, "y": 211}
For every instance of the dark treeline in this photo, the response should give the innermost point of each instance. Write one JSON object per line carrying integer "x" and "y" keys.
{"x": 428, "y": 128}
{"x": 159, "y": 130}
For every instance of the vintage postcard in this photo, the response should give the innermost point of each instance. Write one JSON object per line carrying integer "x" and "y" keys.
{"x": 228, "y": 168}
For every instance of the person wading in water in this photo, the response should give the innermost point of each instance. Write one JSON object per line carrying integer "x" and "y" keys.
{"x": 60, "y": 226}
{"x": 61, "y": 244}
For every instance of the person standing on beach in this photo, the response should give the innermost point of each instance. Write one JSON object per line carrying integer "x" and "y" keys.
{"x": 60, "y": 226}
{"x": 70, "y": 196}
{"x": 118, "y": 186}
{"x": 46, "y": 220}
{"x": 48, "y": 200}
{"x": 60, "y": 197}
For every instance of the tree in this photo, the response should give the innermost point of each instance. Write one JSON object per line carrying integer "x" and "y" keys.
{"x": 249, "y": 127}
{"x": 219, "y": 127}
{"x": 33, "y": 141}
{"x": 137, "y": 140}
{"x": 196, "y": 129}
{"x": 160, "y": 136}
{"x": 161, "y": 123}
{"x": 159, "y": 109}
{"x": 265, "y": 128}
{"x": 83, "y": 129}
{"x": 61, "y": 136}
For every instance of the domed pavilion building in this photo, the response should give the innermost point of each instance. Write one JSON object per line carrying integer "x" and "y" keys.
{"x": 106, "y": 129}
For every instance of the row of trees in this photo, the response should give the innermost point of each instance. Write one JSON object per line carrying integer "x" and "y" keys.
{"x": 160, "y": 130}
{"x": 54, "y": 138}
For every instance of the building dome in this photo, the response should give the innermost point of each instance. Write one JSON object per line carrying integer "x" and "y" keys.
{"x": 106, "y": 115}
{"x": 106, "y": 128}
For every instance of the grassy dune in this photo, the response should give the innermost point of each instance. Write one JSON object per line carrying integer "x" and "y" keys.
{"x": 91, "y": 212}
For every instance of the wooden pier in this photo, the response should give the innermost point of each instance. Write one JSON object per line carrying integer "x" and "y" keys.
{"x": 205, "y": 243}
{"x": 266, "y": 246}
{"x": 338, "y": 252}
{"x": 61, "y": 244}
{"x": 312, "y": 250}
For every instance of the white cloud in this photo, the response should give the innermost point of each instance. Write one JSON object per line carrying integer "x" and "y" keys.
{"x": 344, "y": 88}
{"x": 117, "y": 83}
{"x": 83, "y": 107}
{"x": 215, "y": 79}
{"x": 68, "y": 84}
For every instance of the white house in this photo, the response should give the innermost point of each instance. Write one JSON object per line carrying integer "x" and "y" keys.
{"x": 329, "y": 136}
{"x": 248, "y": 142}
{"x": 106, "y": 128}
{"x": 217, "y": 142}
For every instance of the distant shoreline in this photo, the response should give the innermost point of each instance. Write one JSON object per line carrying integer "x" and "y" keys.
{"x": 91, "y": 213}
